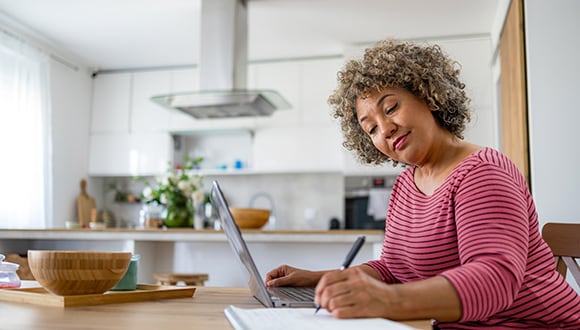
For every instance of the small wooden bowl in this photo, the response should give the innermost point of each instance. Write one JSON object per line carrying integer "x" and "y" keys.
{"x": 249, "y": 218}
{"x": 69, "y": 273}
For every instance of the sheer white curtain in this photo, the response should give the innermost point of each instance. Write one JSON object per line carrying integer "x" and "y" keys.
{"x": 24, "y": 135}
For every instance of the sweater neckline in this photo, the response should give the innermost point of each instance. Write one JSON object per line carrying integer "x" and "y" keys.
{"x": 452, "y": 174}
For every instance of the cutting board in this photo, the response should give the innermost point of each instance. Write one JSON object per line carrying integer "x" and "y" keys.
{"x": 144, "y": 292}
{"x": 86, "y": 206}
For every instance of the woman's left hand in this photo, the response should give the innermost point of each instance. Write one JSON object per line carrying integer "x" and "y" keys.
{"x": 352, "y": 293}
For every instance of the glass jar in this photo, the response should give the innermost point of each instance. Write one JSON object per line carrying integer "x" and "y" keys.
{"x": 152, "y": 215}
{"x": 8, "y": 276}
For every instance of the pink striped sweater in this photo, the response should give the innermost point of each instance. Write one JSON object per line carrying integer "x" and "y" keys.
{"x": 479, "y": 230}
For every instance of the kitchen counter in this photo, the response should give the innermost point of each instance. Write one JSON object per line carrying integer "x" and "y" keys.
{"x": 202, "y": 251}
{"x": 192, "y": 235}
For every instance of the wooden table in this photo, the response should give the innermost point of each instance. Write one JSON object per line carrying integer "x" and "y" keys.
{"x": 204, "y": 311}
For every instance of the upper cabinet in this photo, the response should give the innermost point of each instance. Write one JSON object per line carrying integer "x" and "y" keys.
{"x": 317, "y": 83}
{"x": 305, "y": 84}
{"x": 111, "y": 103}
{"x": 124, "y": 154}
{"x": 131, "y": 135}
{"x": 303, "y": 138}
{"x": 122, "y": 102}
{"x": 284, "y": 78}
{"x": 297, "y": 149}
{"x": 145, "y": 115}
{"x": 185, "y": 80}
{"x": 128, "y": 133}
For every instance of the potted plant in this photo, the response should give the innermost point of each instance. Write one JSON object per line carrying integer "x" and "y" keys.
{"x": 179, "y": 191}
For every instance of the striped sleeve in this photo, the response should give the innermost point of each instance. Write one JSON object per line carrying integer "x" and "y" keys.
{"x": 380, "y": 266}
{"x": 383, "y": 270}
{"x": 492, "y": 233}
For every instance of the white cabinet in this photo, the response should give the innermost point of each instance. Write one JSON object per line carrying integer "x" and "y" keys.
{"x": 145, "y": 115}
{"x": 284, "y": 78}
{"x": 182, "y": 81}
{"x": 128, "y": 132}
{"x": 300, "y": 139}
{"x": 111, "y": 103}
{"x": 317, "y": 83}
{"x": 129, "y": 154}
{"x": 305, "y": 137}
{"x": 297, "y": 149}
{"x": 122, "y": 102}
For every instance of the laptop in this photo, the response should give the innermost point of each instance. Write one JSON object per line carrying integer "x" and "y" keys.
{"x": 269, "y": 297}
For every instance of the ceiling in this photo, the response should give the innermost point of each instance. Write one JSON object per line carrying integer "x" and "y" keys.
{"x": 125, "y": 34}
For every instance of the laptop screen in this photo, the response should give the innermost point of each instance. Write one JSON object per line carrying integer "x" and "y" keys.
{"x": 238, "y": 244}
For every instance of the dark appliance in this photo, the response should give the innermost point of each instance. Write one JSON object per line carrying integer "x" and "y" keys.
{"x": 357, "y": 190}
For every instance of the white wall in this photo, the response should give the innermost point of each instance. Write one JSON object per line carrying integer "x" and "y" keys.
{"x": 70, "y": 107}
{"x": 552, "y": 48}
{"x": 475, "y": 56}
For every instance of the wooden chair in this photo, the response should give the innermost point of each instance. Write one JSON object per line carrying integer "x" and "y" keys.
{"x": 175, "y": 278}
{"x": 564, "y": 240}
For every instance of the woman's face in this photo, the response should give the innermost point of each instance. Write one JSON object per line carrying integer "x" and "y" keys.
{"x": 400, "y": 125}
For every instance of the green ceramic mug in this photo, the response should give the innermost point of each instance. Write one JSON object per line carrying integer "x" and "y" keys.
{"x": 129, "y": 280}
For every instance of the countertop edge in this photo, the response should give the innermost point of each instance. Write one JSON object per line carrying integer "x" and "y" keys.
{"x": 191, "y": 235}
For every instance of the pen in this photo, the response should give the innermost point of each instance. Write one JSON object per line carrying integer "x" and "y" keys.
{"x": 349, "y": 258}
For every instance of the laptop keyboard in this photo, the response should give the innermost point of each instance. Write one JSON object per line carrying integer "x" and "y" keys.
{"x": 299, "y": 294}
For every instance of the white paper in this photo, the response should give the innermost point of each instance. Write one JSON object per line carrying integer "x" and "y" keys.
{"x": 301, "y": 318}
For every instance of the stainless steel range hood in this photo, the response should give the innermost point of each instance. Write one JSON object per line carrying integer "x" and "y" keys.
{"x": 222, "y": 69}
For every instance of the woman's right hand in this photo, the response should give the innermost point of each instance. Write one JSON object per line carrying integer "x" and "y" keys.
{"x": 290, "y": 276}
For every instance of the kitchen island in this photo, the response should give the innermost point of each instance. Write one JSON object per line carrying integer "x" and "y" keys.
{"x": 202, "y": 251}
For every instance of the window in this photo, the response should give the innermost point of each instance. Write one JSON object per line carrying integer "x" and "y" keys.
{"x": 24, "y": 135}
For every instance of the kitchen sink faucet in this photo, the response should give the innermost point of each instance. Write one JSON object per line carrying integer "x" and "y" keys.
{"x": 271, "y": 224}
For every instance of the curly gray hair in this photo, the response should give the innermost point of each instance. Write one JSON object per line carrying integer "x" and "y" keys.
{"x": 424, "y": 71}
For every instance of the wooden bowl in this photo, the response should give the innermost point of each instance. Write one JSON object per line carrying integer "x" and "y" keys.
{"x": 69, "y": 273}
{"x": 248, "y": 218}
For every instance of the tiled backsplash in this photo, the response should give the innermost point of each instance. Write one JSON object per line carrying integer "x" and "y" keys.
{"x": 301, "y": 200}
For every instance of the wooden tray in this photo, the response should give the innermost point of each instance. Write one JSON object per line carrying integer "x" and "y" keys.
{"x": 39, "y": 296}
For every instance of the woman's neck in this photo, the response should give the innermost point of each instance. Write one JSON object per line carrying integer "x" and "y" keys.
{"x": 431, "y": 175}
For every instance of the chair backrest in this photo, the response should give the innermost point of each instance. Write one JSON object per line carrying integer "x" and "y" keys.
{"x": 564, "y": 240}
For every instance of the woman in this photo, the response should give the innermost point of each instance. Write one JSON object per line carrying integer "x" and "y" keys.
{"x": 462, "y": 243}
